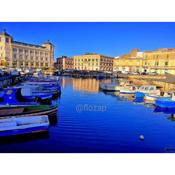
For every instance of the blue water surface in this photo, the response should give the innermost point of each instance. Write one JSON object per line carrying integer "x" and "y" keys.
{"x": 91, "y": 121}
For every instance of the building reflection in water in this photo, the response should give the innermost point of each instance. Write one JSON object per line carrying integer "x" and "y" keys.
{"x": 87, "y": 85}
{"x": 65, "y": 81}
{"x": 79, "y": 84}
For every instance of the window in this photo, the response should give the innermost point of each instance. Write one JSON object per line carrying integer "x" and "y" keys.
{"x": 157, "y": 63}
{"x": 14, "y": 56}
{"x": 14, "y": 49}
{"x": 166, "y": 63}
{"x": 20, "y": 50}
{"x": 7, "y": 40}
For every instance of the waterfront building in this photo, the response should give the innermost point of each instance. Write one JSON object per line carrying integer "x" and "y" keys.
{"x": 64, "y": 63}
{"x": 129, "y": 62}
{"x": 159, "y": 61}
{"x": 93, "y": 62}
{"x": 15, "y": 54}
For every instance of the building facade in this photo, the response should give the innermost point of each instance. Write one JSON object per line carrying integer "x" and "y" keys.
{"x": 64, "y": 63}
{"x": 93, "y": 62}
{"x": 15, "y": 54}
{"x": 129, "y": 62}
{"x": 160, "y": 61}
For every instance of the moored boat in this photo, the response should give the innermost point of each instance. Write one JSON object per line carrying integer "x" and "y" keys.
{"x": 30, "y": 110}
{"x": 13, "y": 126}
{"x": 129, "y": 89}
{"x": 34, "y": 93}
{"x": 165, "y": 102}
{"x": 149, "y": 89}
{"x": 109, "y": 87}
{"x": 151, "y": 98}
{"x": 46, "y": 86}
{"x": 13, "y": 96}
{"x": 24, "y": 96}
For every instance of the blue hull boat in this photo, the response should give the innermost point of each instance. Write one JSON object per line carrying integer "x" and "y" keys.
{"x": 165, "y": 103}
{"x": 52, "y": 87}
{"x": 13, "y": 126}
{"x": 13, "y": 96}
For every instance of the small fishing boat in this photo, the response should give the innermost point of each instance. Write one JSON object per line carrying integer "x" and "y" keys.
{"x": 23, "y": 125}
{"x": 147, "y": 94}
{"x": 165, "y": 102}
{"x": 111, "y": 87}
{"x": 128, "y": 89}
{"x": 34, "y": 93}
{"x": 149, "y": 89}
{"x": 27, "y": 110}
{"x": 46, "y": 86}
{"x": 24, "y": 96}
{"x": 13, "y": 96}
{"x": 150, "y": 98}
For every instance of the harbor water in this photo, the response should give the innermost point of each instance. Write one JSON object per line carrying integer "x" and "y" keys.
{"x": 91, "y": 121}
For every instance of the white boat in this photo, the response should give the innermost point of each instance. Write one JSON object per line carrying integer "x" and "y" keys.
{"x": 128, "y": 89}
{"x": 151, "y": 98}
{"x": 23, "y": 125}
{"x": 46, "y": 86}
{"x": 109, "y": 87}
{"x": 151, "y": 90}
{"x": 113, "y": 86}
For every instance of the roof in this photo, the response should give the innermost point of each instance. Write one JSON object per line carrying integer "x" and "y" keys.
{"x": 5, "y": 33}
{"x": 48, "y": 42}
{"x": 27, "y": 44}
{"x": 94, "y": 54}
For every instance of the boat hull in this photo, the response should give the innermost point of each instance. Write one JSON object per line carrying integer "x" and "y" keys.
{"x": 26, "y": 131}
{"x": 165, "y": 103}
{"x": 50, "y": 112}
{"x": 109, "y": 88}
{"x": 127, "y": 92}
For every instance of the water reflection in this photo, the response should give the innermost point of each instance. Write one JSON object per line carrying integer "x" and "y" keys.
{"x": 91, "y": 85}
{"x": 100, "y": 122}
{"x": 88, "y": 84}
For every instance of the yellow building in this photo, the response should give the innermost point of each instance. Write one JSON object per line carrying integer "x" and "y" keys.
{"x": 64, "y": 63}
{"x": 129, "y": 62}
{"x": 160, "y": 61}
{"x": 15, "y": 54}
{"x": 93, "y": 62}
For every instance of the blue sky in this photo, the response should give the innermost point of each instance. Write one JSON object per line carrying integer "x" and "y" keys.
{"x": 111, "y": 39}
